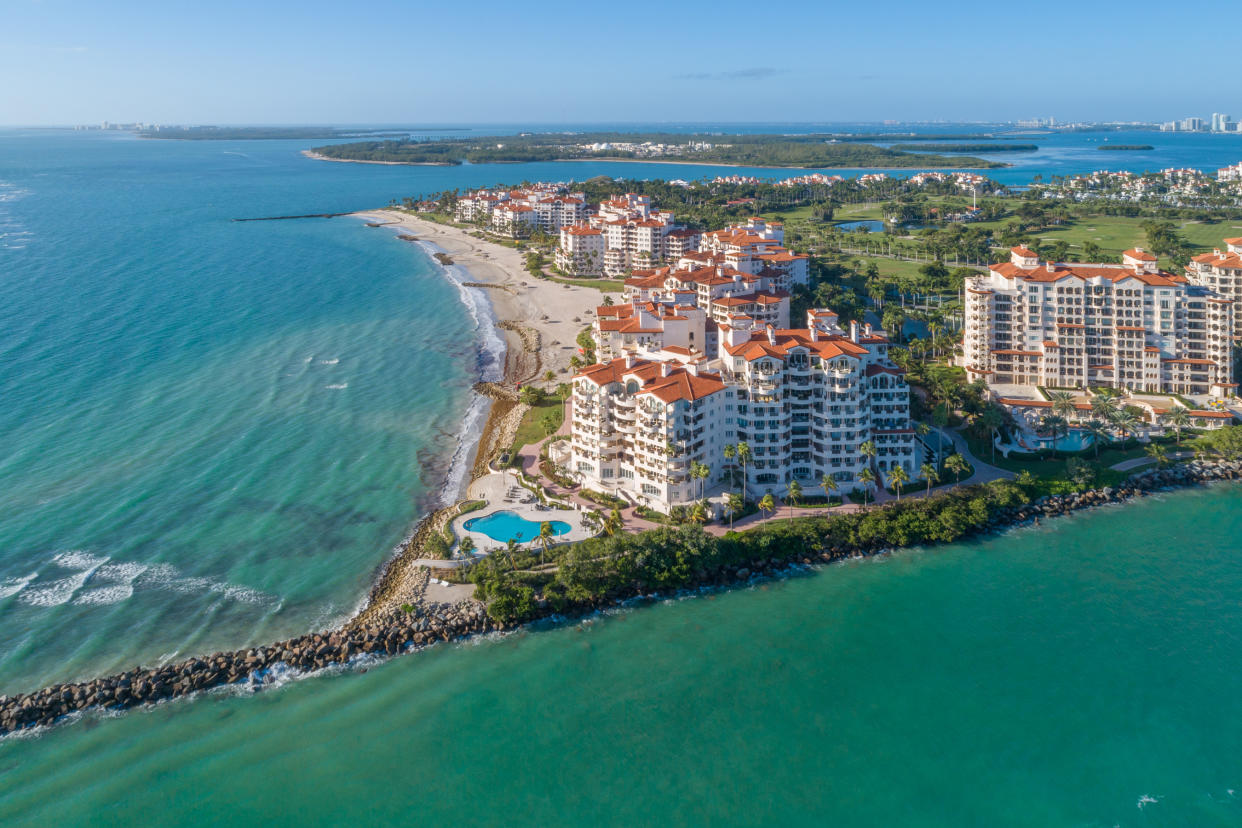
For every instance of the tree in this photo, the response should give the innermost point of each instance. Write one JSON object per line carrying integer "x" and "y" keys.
{"x": 957, "y": 464}
{"x": 734, "y": 504}
{"x": 544, "y": 539}
{"x": 743, "y": 457}
{"x": 867, "y": 449}
{"x": 1063, "y": 404}
{"x": 1157, "y": 452}
{"x": 1056, "y": 425}
{"x": 1098, "y": 432}
{"x": 1179, "y": 418}
{"x": 466, "y": 545}
{"x": 928, "y": 472}
{"x": 614, "y": 522}
{"x": 767, "y": 504}
{"x": 897, "y": 477}
{"x": 698, "y": 514}
{"x": 828, "y": 484}
{"x": 793, "y": 493}
{"x": 1127, "y": 422}
{"x": 1104, "y": 407}
{"x": 730, "y": 453}
{"x": 992, "y": 419}
{"x": 866, "y": 477}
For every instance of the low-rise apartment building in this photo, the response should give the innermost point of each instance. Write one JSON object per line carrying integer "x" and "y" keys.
{"x": 803, "y": 400}
{"x": 1071, "y": 325}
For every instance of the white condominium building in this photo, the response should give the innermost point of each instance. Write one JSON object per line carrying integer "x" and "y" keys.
{"x": 804, "y": 401}
{"x": 687, "y": 306}
{"x": 625, "y": 234}
{"x": 516, "y": 213}
{"x": 754, "y": 246}
{"x": 1065, "y": 325}
{"x": 1221, "y": 271}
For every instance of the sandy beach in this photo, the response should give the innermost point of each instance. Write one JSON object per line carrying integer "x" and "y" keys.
{"x": 540, "y": 320}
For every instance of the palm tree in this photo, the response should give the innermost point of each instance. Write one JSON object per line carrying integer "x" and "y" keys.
{"x": 958, "y": 465}
{"x": 544, "y": 539}
{"x": 992, "y": 419}
{"x": 613, "y": 523}
{"x": 743, "y": 457}
{"x": 1098, "y": 432}
{"x": 703, "y": 472}
{"x": 1054, "y": 424}
{"x": 767, "y": 504}
{"x": 867, "y": 449}
{"x": 698, "y": 514}
{"x": 1179, "y": 418}
{"x": 1063, "y": 404}
{"x": 897, "y": 476}
{"x": 510, "y": 545}
{"x": 1126, "y": 422}
{"x": 866, "y": 477}
{"x": 793, "y": 493}
{"x": 730, "y": 453}
{"x": 829, "y": 485}
{"x": 733, "y": 505}
{"x": 928, "y": 473}
{"x": 1157, "y": 453}
{"x": 1103, "y": 406}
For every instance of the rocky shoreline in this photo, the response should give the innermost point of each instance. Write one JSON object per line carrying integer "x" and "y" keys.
{"x": 381, "y": 630}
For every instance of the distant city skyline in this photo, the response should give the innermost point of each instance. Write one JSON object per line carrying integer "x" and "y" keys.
{"x": 69, "y": 62}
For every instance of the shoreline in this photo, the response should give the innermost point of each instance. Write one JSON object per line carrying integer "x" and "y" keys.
{"x": 916, "y": 169}
{"x": 533, "y": 320}
{"x": 400, "y": 631}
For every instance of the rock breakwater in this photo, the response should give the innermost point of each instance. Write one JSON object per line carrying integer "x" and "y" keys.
{"x": 394, "y": 632}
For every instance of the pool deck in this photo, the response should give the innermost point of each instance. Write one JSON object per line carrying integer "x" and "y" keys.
{"x": 502, "y": 492}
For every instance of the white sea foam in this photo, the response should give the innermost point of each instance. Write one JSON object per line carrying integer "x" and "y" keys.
{"x": 12, "y": 586}
{"x": 338, "y": 387}
{"x": 1146, "y": 799}
{"x": 104, "y": 595}
{"x": 54, "y": 593}
{"x": 490, "y": 366}
{"x": 328, "y": 361}
{"x": 79, "y": 560}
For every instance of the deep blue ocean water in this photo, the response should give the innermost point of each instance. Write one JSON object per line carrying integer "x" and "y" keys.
{"x": 214, "y": 432}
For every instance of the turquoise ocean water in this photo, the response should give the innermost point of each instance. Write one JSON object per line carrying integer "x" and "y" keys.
{"x": 214, "y": 432}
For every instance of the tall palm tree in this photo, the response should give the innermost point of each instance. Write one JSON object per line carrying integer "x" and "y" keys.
{"x": 704, "y": 472}
{"x": 897, "y": 477}
{"x": 1179, "y": 418}
{"x": 730, "y": 454}
{"x": 767, "y": 503}
{"x": 867, "y": 449}
{"x": 733, "y": 505}
{"x": 1055, "y": 424}
{"x": 1158, "y": 453}
{"x": 1063, "y": 404}
{"x": 928, "y": 473}
{"x": 1098, "y": 432}
{"x": 1126, "y": 422}
{"x": 1103, "y": 406}
{"x": 866, "y": 477}
{"x": 992, "y": 419}
{"x": 957, "y": 464}
{"x": 698, "y": 514}
{"x": 544, "y": 539}
{"x": 793, "y": 493}
{"x": 743, "y": 457}
{"x": 829, "y": 485}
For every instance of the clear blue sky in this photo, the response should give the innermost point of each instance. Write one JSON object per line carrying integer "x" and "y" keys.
{"x": 382, "y": 61}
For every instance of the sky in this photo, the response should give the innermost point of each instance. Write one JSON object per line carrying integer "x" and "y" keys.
{"x": 488, "y": 61}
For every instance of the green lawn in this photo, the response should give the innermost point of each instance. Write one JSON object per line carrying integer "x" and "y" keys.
{"x": 532, "y": 428}
{"x": 603, "y": 285}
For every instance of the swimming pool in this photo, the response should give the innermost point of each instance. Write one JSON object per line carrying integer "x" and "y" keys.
{"x": 1075, "y": 440}
{"x": 505, "y": 525}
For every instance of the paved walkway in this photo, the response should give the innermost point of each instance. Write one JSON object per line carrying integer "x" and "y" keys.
{"x": 1136, "y": 462}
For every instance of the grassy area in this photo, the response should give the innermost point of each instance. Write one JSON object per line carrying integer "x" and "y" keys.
{"x": 603, "y": 285}
{"x": 891, "y": 268}
{"x": 1054, "y": 466}
{"x": 533, "y": 429}
{"x": 1115, "y": 234}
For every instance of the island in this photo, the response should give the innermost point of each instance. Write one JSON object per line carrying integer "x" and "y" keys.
{"x": 276, "y": 133}
{"x": 812, "y": 151}
{"x": 1126, "y": 147}
{"x": 964, "y": 147}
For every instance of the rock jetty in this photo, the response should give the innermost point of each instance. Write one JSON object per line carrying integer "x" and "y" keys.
{"x": 393, "y": 631}
{"x": 396, "y": 632}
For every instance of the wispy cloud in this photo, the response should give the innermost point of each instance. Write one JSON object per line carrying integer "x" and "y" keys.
{"x": 749, "y": 73}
